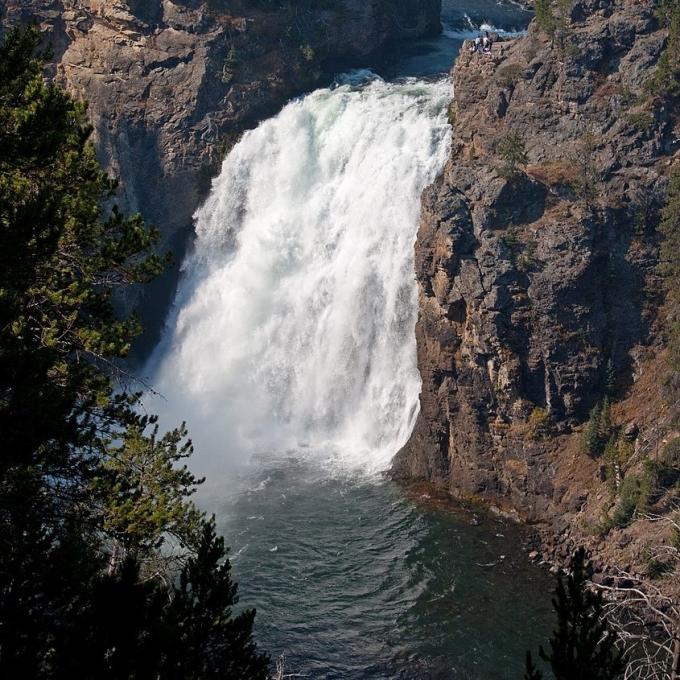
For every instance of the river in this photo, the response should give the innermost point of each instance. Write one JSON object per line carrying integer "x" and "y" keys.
{"x": 290, "y": 351}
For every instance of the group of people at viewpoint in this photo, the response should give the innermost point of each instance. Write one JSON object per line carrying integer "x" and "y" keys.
{"x": 482, "y": 44}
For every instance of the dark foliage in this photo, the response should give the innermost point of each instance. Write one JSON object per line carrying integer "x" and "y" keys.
{"x": 88, "y": 498}
{"x": 582, "y": 646}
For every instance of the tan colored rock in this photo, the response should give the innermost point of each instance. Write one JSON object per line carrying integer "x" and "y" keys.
{"x": 172, "y": 83}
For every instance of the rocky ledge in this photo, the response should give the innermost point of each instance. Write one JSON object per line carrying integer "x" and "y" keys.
{"x": 536, "y": 262}
{"x": 171, "y": 83}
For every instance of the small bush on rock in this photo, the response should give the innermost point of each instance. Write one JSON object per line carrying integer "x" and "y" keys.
{"x": 634, "y": 496}
{"x": 509, "y": 75}
{"x": 513, "y": 153}
{"x": 539, "y": 422}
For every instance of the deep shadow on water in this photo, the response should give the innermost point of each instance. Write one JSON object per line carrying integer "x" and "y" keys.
{"x": 353, "y": 580}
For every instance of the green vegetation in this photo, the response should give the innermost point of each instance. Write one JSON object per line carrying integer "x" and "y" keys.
{"x": 665, "y": 470}
{"x": 636, "y": 493}
{"x": 644, "y": 214}
{"x": 675, "y": 536}
{"x": 669, "y": 463}
{"x": 582, "y": 647}
{"x": 634, "y": 496}
{"x": 666, "y": 79}
{"x": 512, "y": 151}
{"x": 522, "y": 254}
{"x": 451, "y": 114}
{"x": 144, "y": 493}
{"x": 641, "y": 120}
{"x": 617, "y": 453}
{"x": 230, "y": 65}
{"x": 509, "y": 75}
{"x": 599, "y": 428}
{"x": 654, "y": 567}
{"x": 628, "y": 97}
{"x": 610, "y": 378}
{"x": 669, "y": 228}
{"x": 526, "y": 261}
{"x": 585, "y": 185}
{"x": 545, "y": 17}
{"x": 107, "y": 569}
{"x": 554, "y": 19}
{"x": 511, "y": 239}
{"x": 308, "y": 52}
{"x": 539, "y": 423}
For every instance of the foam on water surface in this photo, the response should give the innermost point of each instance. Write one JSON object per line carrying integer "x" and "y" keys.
{"x": 293, "y": 329}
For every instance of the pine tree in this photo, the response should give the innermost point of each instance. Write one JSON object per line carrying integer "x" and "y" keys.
{"x": 591, "y": 438}
{"x": 512, "y": 151}
{"x": 89, "y": 498}
{"x": 583, "y": 647}
{"x": 604, "y": 430}
{"x": 545, "y": 19}
{"x": 665, "y": 83}
{"x": 610, "y": 378}
{"x": 670, "y": 268}
{"x": 145, "y": 494}
{"x": 60, "y": 256}
{"x": 212, "y": 642}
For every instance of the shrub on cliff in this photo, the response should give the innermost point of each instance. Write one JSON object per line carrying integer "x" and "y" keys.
{"x": 669, "y": 228}
{"x": 509, "y": 75}
{"x": 666, "y": 79}
{"x": 513, "y": 154}
{"x": 634, "y": 496}
{"x": 599, "y": 428}
{"x": 554, "y": 19}
{"x": 87, "y": 495}
{"x": 545, "y": 19}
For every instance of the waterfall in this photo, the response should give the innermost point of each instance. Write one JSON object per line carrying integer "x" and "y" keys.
{"x": 293, "y": 327}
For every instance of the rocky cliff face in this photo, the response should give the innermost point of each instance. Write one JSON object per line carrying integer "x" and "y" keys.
{"x": 171, "y": 83}
{"x": 538, "y": 285}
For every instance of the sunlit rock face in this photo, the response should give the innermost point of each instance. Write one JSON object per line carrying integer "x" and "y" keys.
{"x": 171, "y": 84}
{"x": 530, "y": 285}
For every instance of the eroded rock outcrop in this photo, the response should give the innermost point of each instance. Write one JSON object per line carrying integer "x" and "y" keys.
{"x": 539, "y": 284}
{"x": 171, "y": 83}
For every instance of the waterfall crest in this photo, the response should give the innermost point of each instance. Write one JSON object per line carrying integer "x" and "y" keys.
{"x": 293, "y": 328}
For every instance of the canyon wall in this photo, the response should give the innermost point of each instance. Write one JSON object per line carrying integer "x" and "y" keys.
{"x": 172, "y": 83}
{"x": 536, "y": 262}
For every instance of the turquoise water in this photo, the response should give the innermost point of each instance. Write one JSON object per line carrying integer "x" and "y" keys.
{"x": 353, "y": 580}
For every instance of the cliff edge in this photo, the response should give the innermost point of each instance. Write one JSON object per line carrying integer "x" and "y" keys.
{"x": 539, "y": 290}
{"x": 172, "y": 83}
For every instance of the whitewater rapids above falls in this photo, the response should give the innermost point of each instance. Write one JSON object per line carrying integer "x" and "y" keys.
{"x": 293, "y": 327}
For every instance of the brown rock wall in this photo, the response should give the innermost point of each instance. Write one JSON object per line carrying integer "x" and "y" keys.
{"x": 172, "y": 83}
{"x": 531, "y": 284}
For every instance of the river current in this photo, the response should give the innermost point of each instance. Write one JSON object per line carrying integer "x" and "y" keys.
{"x": 290, "y": 351}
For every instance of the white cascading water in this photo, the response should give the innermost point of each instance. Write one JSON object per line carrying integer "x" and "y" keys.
{"x": 293, "y": 329}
